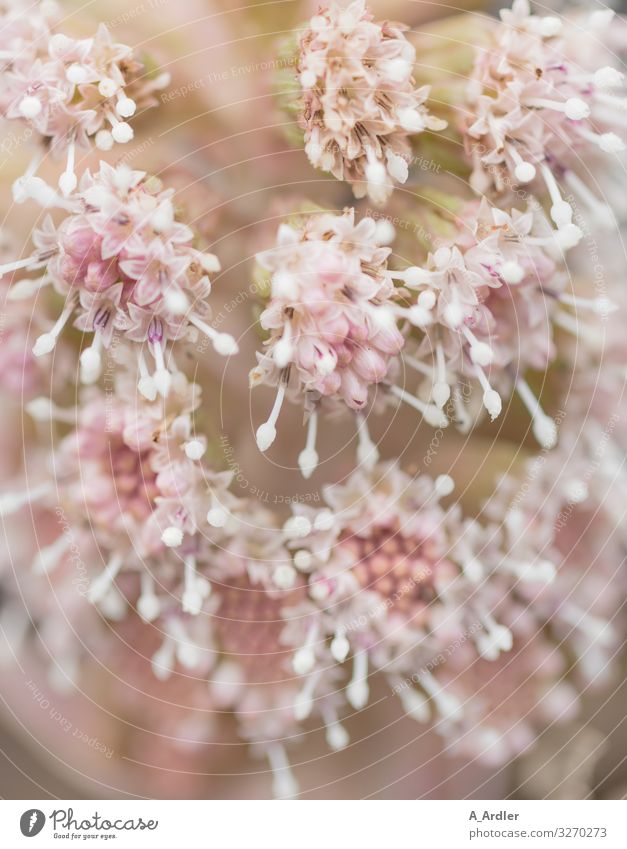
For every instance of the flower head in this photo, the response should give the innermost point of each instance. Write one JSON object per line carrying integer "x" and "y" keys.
{"x": 488, "y": 302}
{"x": 359, "y": 102}
{"x": 68, "y": 90}
{"x": 126, "y": 267}
{"x": 332, "y": 330}
{"x": 536, "y": 111}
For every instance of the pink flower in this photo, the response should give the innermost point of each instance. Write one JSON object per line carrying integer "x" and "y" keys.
{"x": 537, "y": 112}
{"x": 128, "y": 268}
{"x": 487, "y": 304}
{"x": 69, "y": 91}
{"x": 332, "y": 330}
{"x": 359, "y": 103}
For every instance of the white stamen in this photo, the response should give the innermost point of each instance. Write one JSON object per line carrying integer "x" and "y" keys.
{"x": 398, "y": 69}
{"x": 384, "y": 232}
{"x": 284, "y": 785}
{"x": 608, "y": 77}
{"x": 480, "y": 352}
{"x": 148, "y": 604}
{"x": 305, "y": 658}
{"x": 462, "y": 417}
{"x": 571, "y": 324}
{"x": 162, "y": 662}
{"x": 172, "y": 537}
{"x": 430, "y": 413}
{"x": 8, "y": 267}
{"x": 223, "y": 343}
{"x": 376, "y": 175}
{"x": 217, "y": 516}
{"x": 12, "y": 502}
{"x": 358, "y": 691}
{"x": 297, "y": 527}
{"x": 447, "y": 705}
{"x": 303, "y": 703}
{"x": 336, "y": 735}
{"x": 125, "y": 107}
{"x": 303, "y": 560}
{"x": 26, "y": 288}
{"x": 194, "y": 449}
{"x": 284, "y": 576}
{"x": 91, "y": 362}
{"x": 576, "y": 491}
{"x": 414, "y": 704}
{"x": 42, "y": 409}
{"x": 285, "y": 286}
{"x": 266, "y": 433}
{"x": 47, "y": 558}
{"x": 367, "y": 451}
{"x": 574, "y": 108}
{"x": 525, "y": 172}
{"x": 543, "y": 427}
{"x": 162, "y": 218}
{"x": 601, "y": 211}
{"x": 441, "y": 391}
{"x": 122, "y": 132}
{"x": 491, "y": 398}
{"x": 494, "y": 639}
{"x": 30, "y": 107}
{"x": 187, "y": 652}
{"x": 444, "y": 486}
{"x": 104, "y": 140}
{"x": 107, "y": 87}
{"x": 308, "y": 457}
{"x": 600, "y": 306}
{"x": 45, "y": 343}
{"x": 473, "y": 570}
{"x": 415, "y": 314}
{"x": 413, "y": 277}
{"x": 162, "y": 377}
{"x": 539, "y": 571}
{"x": 398, "y": 168}
{"x": 550, "y": 26}
{"x": 324, "y": 520}
{"x": 340, "y": 647}
{"x": 192, "y": 599}
{"x": 595, "y": 628}
{"x": 101, "y": 585}
{"x": 68, "y": 180}
{"x": 146, "y": 384}
{"x": 411, "y": 120}
{"x": 176, "y": 300}
{"x": 453, "y": 312}
{"x": 561, "y": 212}
{"x": 512, "y": 272}
{"x": 418, "y": 365}
{"x": 76, "y": 73}
{"x": 307, "y": 79}
{"x": 283, "y": 351}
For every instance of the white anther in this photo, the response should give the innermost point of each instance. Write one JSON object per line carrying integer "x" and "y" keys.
{"x": 172, "y": 537}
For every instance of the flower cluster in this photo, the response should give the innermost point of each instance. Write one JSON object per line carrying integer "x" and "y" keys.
{"x": 359, "y": 103}
{"x": 488, "y": 302}
{"x": 536, "y": 112}
{"x": 125, "y": 266}
{"x": 481, "y": 594}
{"x": 330, "y": 318}
{"x": 68, "y": 90}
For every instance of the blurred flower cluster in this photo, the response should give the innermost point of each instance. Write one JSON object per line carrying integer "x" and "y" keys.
{"x": 435, "y": 341}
